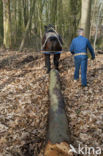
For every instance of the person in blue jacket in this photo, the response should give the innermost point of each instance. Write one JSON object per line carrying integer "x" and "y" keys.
{"x": 79, "y": 48}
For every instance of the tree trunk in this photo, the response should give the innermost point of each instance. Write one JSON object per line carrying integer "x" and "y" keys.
{"x": 60, "y": 16}
{"x": 7, "y": 23}
{"x": 27, "y": 26}
{"x": 58, "y": 134}
{"x": 1, "y": 21}
{"x": 85, "y": 16}
{"x": 97, "y": 24}
{"x": 53, "y": 12}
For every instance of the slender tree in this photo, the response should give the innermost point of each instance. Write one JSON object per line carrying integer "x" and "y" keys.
{"x": 1, "y": 21}
{"x": 97, "y": 24}
{"x": 7, "y": 23}
{"x": 28, "y": 25}
{"x": 53, "y": 11}
{"x": 85, "y": 16}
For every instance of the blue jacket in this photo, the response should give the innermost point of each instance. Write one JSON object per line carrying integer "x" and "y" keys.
{"x": 80, "y": 44}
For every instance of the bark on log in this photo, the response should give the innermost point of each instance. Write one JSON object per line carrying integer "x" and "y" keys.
{"x": 58, "y": 133}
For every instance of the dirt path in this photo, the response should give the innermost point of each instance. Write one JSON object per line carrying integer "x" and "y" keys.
{"x": 24, "y": 103}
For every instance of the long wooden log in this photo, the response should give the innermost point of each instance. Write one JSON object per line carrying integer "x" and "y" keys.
{"x": 58, "y": 133}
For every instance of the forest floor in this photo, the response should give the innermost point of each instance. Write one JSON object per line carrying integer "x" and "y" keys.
{"x": 24, "y": 103}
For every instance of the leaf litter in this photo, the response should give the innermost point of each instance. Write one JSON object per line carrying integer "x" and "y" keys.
{"x": 24, "y": 103}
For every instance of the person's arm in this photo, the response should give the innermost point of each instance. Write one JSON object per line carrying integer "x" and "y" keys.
{"x": 91, "y": 49}
{"x": 72, "y": 48}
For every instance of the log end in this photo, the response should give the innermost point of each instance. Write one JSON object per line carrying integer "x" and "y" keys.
{"x": 61, "y": 149}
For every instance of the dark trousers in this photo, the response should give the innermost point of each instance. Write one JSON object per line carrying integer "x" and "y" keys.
{"x": 55, "y": 60}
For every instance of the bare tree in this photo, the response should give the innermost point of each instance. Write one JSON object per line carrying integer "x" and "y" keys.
{"x": 98, "y": 21}
{"x": 28, "y": 25}
{"x": 85, "y": 16}
{"x": 7, "y": 23}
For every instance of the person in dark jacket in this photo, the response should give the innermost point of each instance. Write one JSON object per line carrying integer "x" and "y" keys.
{"x": 79, "y": 48}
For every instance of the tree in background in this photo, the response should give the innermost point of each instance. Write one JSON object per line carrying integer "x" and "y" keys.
{"x": 7, "y": 23}
{"x": 24, "y": 27}
{"x": 75, "y": 14}
{"x": 86, "y": 16}
{"x": 98, "y": 20}
{"x": 28, "y": 24}
{"x": 1, "y": 21}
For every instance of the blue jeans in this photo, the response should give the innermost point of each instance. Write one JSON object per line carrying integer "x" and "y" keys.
{"x": 81, "y": 61}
